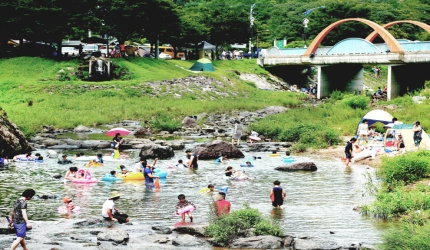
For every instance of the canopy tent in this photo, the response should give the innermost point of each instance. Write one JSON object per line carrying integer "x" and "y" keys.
{"x": 202, "y": 65}
{"x": 408, "y": 137}
{"x": 207, "y": 46}
{"x": 377, "y": 115}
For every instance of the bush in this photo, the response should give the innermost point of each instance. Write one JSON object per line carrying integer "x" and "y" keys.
{"x": 165, "y": 123}
{"x": 406, "y": 168}
{"x": 336, "y": 95}
{"x": 357, "y": 102}
{"x": 407, "y": 236}
{"x": 310, "y": 135}
{"x": 227, "y": 228}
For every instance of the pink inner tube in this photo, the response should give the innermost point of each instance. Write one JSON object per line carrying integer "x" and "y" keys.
{"x": 92, "y": 180}
{"x": 63, "y": 210}
{"x": 186, "y": 209}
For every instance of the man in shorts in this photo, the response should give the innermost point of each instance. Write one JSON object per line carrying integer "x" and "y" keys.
{"x": 20, "y": 219}
{"x": 110, "y": 213}
{"x": 348, "y": 151}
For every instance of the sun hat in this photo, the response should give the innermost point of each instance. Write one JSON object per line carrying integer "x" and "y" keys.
{"x": 67, "y": 199}
{"x": 114, "y": 194}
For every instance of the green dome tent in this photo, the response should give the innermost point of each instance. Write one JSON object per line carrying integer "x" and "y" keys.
{"x": 203, "y": 65}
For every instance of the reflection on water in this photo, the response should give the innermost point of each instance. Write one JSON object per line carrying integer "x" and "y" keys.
{"x": 317, "y": 202}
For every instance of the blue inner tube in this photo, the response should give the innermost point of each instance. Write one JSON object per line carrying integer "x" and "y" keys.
{"x": 160, "y": 173}
{"x": 223, "y": 189}
{"x": 246, "y": 165}
{"x": 109, "y": 177}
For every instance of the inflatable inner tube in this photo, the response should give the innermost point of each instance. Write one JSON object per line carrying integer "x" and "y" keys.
{"x": 63, "y": 210}
{"x": 246, "y": 165}
{"x": 109, "y": 177}
{"x": 160, "y": 173}
{"x": 186, "y": 209}
{"x": 132, "y": 176}
{"x": 274, "y": 155}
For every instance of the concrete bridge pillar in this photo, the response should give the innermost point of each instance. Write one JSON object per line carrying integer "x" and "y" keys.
{"x": 342, "y": 77}
{"x": 406, "y": 78}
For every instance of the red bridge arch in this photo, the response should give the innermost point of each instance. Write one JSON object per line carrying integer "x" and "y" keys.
{"x": 374, "y": 34}
{"x": 391, "y": 42}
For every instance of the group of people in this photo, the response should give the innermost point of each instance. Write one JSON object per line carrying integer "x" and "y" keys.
{"x": 364, "y": 132}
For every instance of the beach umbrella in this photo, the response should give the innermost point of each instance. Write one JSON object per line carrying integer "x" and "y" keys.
{"x": 114, "y": 131}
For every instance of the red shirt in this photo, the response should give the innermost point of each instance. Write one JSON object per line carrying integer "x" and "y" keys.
{"x": 222, "y": 207}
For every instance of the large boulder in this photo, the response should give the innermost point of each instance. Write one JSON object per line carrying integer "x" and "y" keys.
{"x": 116, "y": 235}
{"x": 12, "y": 140}
{"x": 161, "y": 229}
{"x": 214, "y": 149}
{"x": 156, "y": 151}
{"x": 81, "y": 129}
{"x": 189, "y": 122}
{"x": 186, "y": 240}
{"x": 313, "y": 243}
{"x": 258, "y": 242}
{"x": 192, "y": 230}
{"x": 305, "y": 166}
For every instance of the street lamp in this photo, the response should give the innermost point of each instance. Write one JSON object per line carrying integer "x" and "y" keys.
{"x": 306, "y": 21}
{"x": 251, "y": 24}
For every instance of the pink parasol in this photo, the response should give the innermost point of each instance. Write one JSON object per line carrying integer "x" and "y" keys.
{"x": 114, "y": 131}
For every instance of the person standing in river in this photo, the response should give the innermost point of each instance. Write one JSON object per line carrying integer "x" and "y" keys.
{"x": 348, "y": 151}
{"x": 237, "y": 132}
{"x": 20, "y": 218}
{"x": 192, "y": 163}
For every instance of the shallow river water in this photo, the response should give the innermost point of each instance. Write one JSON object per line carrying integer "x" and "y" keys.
{"x": 317, "y": 202}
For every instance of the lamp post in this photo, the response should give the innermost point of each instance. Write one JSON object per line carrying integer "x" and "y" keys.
{"x": 306, "y": 21}
{"x": 251, "y": 24}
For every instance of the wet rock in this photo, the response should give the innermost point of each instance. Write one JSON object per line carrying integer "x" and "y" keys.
{"x": 214, "y": 149}
{"x": 189, "y": 122}
{"x": 116, "y": 235}
{"x": 63, "y": 146}
{"x": 350, "y": 247}
{"x": 187, "y": 241}
{"x": 366, "y": 246}
{"x": 162, "y": 239}
{"x": 51, "y": 142}
{"x": 52, "y": 243}
{"x": 175, "y": 145}
{"x": 161, "y": 229}
{"x": 314, "y": 243}
{"x": 81, "y": 129}
{"x": 258, "y": 242}
{"x": 57, "y": 176}
{"x": 12, "y": 140}
{"x": 192, "y": 230}
{"x": 94, "y": 232}
{"x": 6, "y": 231}
{"x": 92, "y": 144}
{"x": 89, "y": 222}
{"x": 156, "y": 151}
{"x": 47, "y": 196}
{"x": 271, "y": 110}
{"x": 288, "y": 241}
{"x": 304, "y": 166}
{"x": 94, "y": 244}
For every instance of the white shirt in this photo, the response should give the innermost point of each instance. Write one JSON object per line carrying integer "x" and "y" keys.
{"x": 109, "y": 204}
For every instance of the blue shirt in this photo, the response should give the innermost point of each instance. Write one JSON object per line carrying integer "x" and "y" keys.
{"x": 147, "y": 178}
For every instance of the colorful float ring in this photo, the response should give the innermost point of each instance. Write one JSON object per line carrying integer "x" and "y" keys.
{"x": 255, "y": 138}
{"x": 109, "y": 177}
{"x": 94, "y": 164}
{"x": 23, "y": 159}
{"x": 160, "y": 173}
{"x": 132, "y": 176}
{"x": 187, "y": 209}
{"x": 288, "y": 159}
{"x": 63, "y": 210}
{"x": 87, "y": 178}
{"x": 246, "y": 165}
{"x": 86, "y": 158}
{"x": 274, "y": 155}
{"x": 223, "y": 189}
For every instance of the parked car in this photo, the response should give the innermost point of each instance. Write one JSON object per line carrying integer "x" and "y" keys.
{"x": 165, "y": 56}
{"x": 69, "y": 51}
{"x": 89, "y": 48}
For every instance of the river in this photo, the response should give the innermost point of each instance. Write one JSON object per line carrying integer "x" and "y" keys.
{"x": 317, "y": 202}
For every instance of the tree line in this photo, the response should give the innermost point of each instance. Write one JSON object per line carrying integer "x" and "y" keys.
{"x": 184, "y": 23}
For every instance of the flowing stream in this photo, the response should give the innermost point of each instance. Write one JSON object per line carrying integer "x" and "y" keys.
{"x": 317, "y": 202}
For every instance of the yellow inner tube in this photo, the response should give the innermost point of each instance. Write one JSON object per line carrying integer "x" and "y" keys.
{"x": 132, "y": 176}
{"x": 273, "y": 155}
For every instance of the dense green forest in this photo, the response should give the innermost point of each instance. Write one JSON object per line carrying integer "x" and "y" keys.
{"x": 183, "y": 23}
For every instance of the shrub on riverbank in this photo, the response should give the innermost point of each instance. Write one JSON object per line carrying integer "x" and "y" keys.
{"x": 228, "y": 227}
{"x": 407, "y": 236}
{"x": 405, "y": 168}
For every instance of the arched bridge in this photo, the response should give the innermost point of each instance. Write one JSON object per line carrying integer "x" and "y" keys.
{"x": 340, "y": 66}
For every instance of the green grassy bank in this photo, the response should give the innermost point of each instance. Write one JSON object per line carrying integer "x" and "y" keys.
{"x": 404, "y": 196}
{"x": 32, "y": 96}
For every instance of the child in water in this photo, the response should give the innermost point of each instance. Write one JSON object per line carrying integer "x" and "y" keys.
{"x": 69, "y": 204}
{"x": 124, "y": 171}
{"x": 180, "y": 164}
{"x": 221, "y": 158}
{"x": 113, "y": 173}
{"x": 183, "y": 203}
{"x": 277, "y": 194}
{"x": 99, "y": 158}
{"x": 81, "y": 176}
